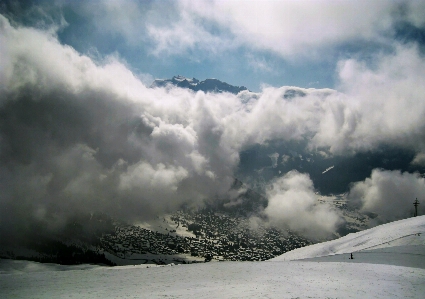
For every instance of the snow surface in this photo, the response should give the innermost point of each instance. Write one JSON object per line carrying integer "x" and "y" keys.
{"x": 165, "y": 225}
{"x": 325, "y": 272}
{"x": 402, "y": 233}
{"x": 327, "y": 169}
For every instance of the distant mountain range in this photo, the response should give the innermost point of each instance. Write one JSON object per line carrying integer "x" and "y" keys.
{"x": 207, "y": 85}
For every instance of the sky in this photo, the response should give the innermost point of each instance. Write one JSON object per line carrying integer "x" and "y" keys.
{"x": 81, "y": 131}
{"x": 250, "y": 43}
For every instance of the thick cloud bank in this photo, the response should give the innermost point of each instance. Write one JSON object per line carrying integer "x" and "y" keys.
{"x": 76, "y": 135}
{"x": 80, "y": 137}
{"x": 389, "y": 194}
{"x": 293, "y": 204}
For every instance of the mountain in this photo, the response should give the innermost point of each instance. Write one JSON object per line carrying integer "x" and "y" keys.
{"x": 208, "y": 85}
{"x": 331, "y": 174}
{"x": 375, "y": 272}
{"x": 222, "y": 231}
{"x": 211, "y": 234}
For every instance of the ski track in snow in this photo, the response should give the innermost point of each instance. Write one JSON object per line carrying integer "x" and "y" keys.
{"x": 388, "y": 263}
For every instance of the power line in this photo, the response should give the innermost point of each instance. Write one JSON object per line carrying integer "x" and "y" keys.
{"x": 416, "y": 203}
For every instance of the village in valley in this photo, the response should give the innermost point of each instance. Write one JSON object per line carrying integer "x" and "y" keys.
{"x": 187, "y": 237}
{"x": 213, "y": 234}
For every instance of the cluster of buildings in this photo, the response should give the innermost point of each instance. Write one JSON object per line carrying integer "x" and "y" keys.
{"x": 229, "y": 237}
{"x": 130, "y": 240}
{"x": 215, "y": 237}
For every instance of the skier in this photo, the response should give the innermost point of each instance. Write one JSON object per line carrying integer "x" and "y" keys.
{"x": 351, "y": 258}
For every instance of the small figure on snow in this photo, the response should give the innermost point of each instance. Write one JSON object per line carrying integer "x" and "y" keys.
{"x": 351, "y": 258}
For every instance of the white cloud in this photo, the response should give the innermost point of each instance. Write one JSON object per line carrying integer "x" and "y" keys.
{"x": 389, "y": 194}
{"x": 259, "y": 64}
{"x": 289, "y": 28}
{"x": 124, "y": 17}
{"x": 186, "y": 34}
{"x": 159, "y": 178}
{"x": 419, "y": 159}
{"x": 294, "y": 205}
{"x": 285, "y": 159}
{"x": 380, "y": 104}
{"x": 274, "y": 157}
{"x": 94, "y": 133}
{"x": 98, "y": 139}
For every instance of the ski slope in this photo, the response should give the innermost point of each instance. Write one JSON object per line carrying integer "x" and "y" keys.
{"x": 404, "y": 236}
{"x": 315, "y": 276}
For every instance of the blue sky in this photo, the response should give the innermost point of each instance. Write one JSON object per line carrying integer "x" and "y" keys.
{"x": 250, "y": 43}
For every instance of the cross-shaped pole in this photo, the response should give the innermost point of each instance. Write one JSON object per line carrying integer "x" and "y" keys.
{"x": 416, "y": 203}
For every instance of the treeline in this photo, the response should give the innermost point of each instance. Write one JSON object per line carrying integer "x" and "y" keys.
{"x": 52, "y": 251}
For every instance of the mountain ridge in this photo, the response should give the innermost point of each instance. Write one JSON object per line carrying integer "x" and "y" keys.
{"x": 207, "y": 85}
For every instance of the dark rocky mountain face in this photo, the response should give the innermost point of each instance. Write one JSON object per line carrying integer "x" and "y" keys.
{"x": 331, "y": 174}
{"x": 207, "y": 85}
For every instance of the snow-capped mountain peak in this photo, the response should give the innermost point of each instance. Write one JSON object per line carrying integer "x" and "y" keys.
{"x": 207, "y": 85}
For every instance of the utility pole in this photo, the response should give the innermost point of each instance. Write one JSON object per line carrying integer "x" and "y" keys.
{"x": 416, "y": 203}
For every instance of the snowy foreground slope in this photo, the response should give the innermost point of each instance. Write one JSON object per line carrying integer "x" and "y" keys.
{"x": 367, "y": 276}
{"x": 404, "y": 237}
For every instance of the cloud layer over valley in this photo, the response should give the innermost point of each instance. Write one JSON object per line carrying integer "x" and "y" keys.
{"x": 85, "y": 135}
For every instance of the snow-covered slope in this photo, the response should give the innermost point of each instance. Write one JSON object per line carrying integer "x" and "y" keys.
{"x": 403, "y": 233}
{"x": 278, "y": 278}
{"x": 294, "y": 279}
